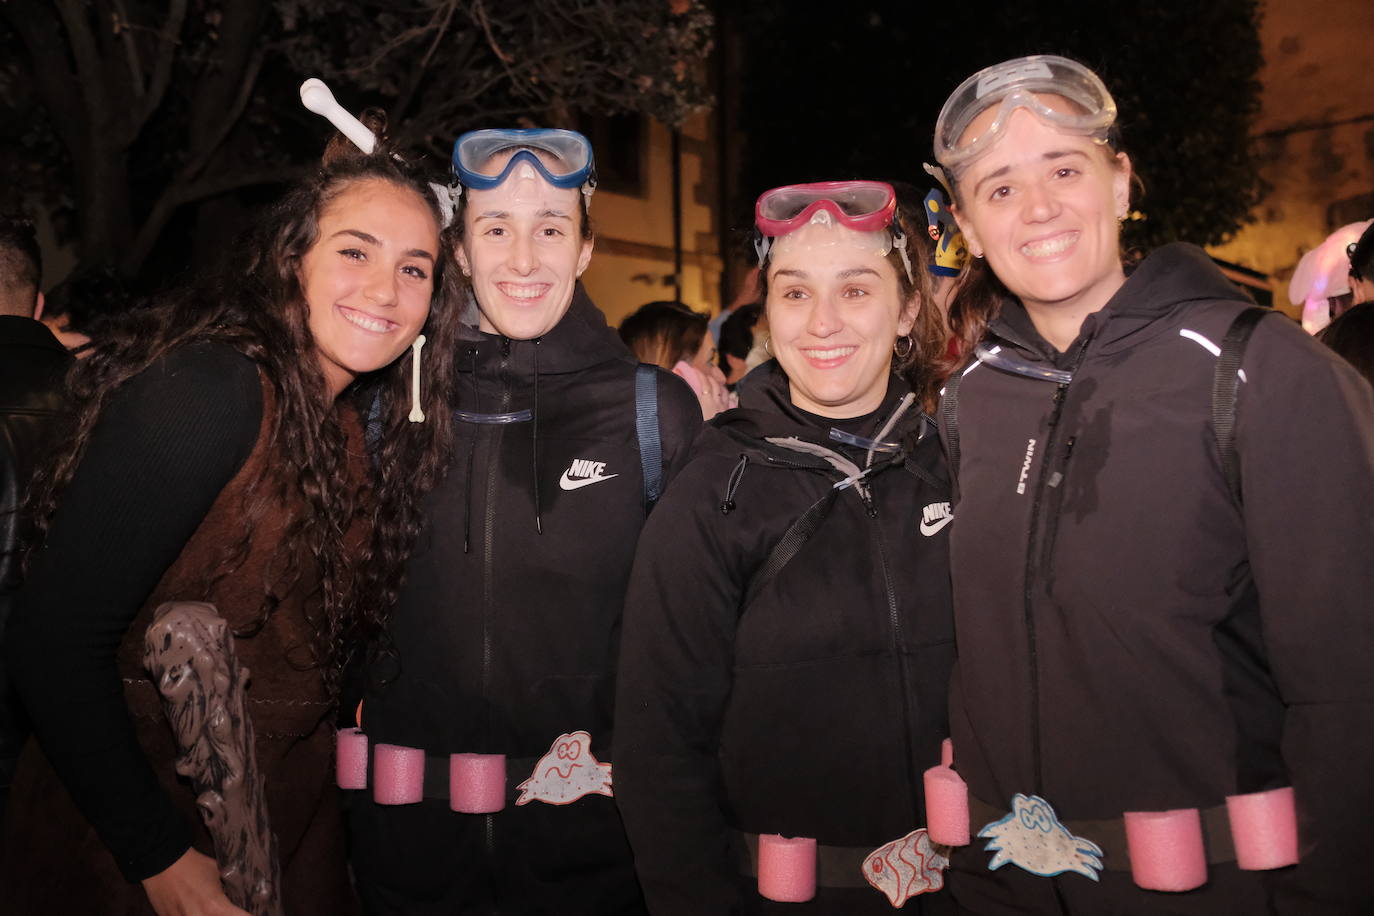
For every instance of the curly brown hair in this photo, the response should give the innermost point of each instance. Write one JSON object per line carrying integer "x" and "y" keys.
{"x": 259, "y": 309}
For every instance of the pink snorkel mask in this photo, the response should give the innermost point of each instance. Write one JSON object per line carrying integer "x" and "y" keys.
{"x": 866, "y": 207}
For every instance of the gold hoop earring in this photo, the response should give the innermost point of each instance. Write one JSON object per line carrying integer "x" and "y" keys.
{"x": 768, "y": 345}
{"x": 910, "y": 345}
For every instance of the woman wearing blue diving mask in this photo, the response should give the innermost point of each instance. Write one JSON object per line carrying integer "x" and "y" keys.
{"x": 501, "y": 650}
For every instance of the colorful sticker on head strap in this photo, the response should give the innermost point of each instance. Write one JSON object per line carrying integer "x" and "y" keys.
{"x": 907, "y": 867}
{"x": 1032, "y": 838}
{"x": 566, "y": 773}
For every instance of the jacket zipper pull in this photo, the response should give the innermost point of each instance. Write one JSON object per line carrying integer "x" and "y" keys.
{"x": 1059, "y": 392}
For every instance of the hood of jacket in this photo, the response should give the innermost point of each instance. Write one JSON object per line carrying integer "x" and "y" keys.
{"x": 1170, "y": 279}
{"x": 579, "y": 340}
{"x": 767, "y": 423}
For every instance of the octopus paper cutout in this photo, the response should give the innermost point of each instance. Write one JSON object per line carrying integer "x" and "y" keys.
{"x": 566, "y": 773}
{"x": 906, "y": 867}
{"x": 1031, "y": 837}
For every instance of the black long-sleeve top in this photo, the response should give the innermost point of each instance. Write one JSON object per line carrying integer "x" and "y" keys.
{"x": 165, "y": 446}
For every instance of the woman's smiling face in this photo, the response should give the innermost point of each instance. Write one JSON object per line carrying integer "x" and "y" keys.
{"x": 834, "y": 312}
{"x": 523, "y": 248}
{"x": 1043, "y": 206}
{"x": 369, "y": 278}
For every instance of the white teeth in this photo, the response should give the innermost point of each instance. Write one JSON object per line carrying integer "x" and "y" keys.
{"x": 834, "y": 353}
{"x": 524, "y": 292}
{"x": 366, "y": 322}
{"x": 1049, "y": 247}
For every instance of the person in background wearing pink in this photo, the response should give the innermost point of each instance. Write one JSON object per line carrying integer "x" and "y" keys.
{"x": 673, "y": 336}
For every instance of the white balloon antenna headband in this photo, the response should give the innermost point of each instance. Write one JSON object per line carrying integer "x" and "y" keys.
{"x": 315, "y": 96}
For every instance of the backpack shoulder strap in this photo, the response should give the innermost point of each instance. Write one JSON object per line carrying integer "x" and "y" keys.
{"x": 1225, "y": 383}
{"x": 647, "y": 431}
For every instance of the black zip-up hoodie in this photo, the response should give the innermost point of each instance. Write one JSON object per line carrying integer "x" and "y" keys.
{"x": 506, "y": 631}
{"x": 813, "y": 710}
{"x": 1113, "y": 656}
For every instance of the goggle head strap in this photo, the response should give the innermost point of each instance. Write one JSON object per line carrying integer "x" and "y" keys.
{"x": 763, "y": 243}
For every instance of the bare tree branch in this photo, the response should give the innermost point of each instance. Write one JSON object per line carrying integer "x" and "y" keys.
{"x": 126, "y": 34}
{"x": 168, "y": 40}
{"x": 59, "y": 87}
{"x": 189, "y": 193}
{"x": 419, "y": 72}
{"x": 479, "y": 9}
{"x": 88, "y": 64}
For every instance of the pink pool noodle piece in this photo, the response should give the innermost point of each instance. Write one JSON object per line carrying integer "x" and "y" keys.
{"x": 350, "y": 764}
{"x": 787, "y": 868}
{"x": 947, "y": 752}
{"x": 477, "y": 783}
{"x": 1264, "y": 828}
{"x": 1166, "y": 849}
{"x": 946, "y": 807}
{"x": 398, "y": 774}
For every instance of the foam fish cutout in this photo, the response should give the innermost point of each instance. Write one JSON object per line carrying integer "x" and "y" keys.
{"x": 1031, "y": 837}
{"x": 906, "y": 867}
{"x": 566, "y": 773}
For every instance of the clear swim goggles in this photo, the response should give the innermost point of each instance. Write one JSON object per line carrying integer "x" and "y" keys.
{"x": 868, "y": 207}
{"x": 1020, "y": 83}
{"x": 573, "y": 165}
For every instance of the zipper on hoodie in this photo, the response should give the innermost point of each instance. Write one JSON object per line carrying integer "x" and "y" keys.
{"x": 489, "y": 560}
{"x": 1052, "y": 440}
{"x": 898, "y": 644}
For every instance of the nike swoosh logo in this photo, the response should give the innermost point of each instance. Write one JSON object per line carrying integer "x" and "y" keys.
{"x": 569, "y": 483}
{"x": 929, "y": 528}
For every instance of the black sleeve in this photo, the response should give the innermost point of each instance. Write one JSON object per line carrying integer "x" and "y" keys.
{"x": 674, "y": 678}
{"x": 1305, "y": 436}
{"x": 166, "y": 445}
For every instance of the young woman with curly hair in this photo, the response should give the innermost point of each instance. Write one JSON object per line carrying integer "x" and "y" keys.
{"x": 218, "y": 457}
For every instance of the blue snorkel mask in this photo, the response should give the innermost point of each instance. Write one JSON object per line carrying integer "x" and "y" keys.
{"x": 572, "y": 165}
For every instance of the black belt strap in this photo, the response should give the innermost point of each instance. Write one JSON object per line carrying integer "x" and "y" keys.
{"x": 1110, "y": 833}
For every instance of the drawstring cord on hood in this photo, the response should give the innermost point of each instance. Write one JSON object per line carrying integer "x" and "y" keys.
{"x": 887, "y": 427}
{"x": 534, "y": 440}
{"x": 727, "y": 505}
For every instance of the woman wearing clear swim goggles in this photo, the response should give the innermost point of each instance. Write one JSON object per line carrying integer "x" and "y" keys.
{"x": 1159, "y": 667}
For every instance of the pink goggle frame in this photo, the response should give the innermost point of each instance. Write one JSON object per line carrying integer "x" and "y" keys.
{"x": 864, "y": 206}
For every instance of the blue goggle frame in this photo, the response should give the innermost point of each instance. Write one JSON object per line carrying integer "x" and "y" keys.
{"x": 475, "y": 147}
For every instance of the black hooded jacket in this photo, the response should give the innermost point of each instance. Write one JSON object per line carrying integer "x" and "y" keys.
{"x": 506, "y": 631}
{"x": 812, "y": 710}
{"x": 1113, "y": 655}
